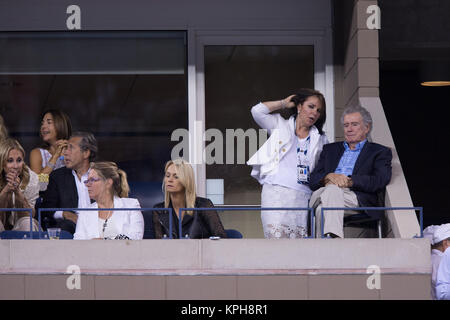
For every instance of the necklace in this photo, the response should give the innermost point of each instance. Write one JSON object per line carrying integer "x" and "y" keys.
{"x": 105, "y": 224}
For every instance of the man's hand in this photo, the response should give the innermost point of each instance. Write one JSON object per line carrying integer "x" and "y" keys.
{"x": 341, "y": 180}
{"x": 70, "y": 216}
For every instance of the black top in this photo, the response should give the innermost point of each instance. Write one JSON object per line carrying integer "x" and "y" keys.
{"x": 198, "y": 225}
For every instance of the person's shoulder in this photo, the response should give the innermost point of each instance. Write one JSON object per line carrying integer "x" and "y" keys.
{"x": 130, "y": 201}
{"x": 63, "y": 171}
{"x": 203, "y": 202}
{"x": 333, "y": 145}
{"x": 379, "y": 147}
{"x": 159, "y": 205}
{"x": 36, "y": 151}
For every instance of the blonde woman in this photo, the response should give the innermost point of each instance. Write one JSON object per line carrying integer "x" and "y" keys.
{"x": 19, "y": 187}
{"x": 108, "y": 186}
{"x": 179, "y": 192}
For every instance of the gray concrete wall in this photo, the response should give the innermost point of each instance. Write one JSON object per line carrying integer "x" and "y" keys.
{"x": 232, "y": 287}
{"x": 194, "y": 269}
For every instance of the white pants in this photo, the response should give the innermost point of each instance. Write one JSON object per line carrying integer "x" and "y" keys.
{"x": 332, "y": 196}
{"x": 284, "y": 223}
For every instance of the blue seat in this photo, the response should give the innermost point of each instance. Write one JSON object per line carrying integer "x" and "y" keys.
{"x": 10, "y": 234}
{"x": 233, "y": 234}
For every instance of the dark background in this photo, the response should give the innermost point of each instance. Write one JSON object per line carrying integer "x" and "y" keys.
{"x": 411, "y": 32}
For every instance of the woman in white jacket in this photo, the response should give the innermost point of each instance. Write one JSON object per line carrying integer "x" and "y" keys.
{"x": 108, "y": 186}
{"x": 283, "y": 164}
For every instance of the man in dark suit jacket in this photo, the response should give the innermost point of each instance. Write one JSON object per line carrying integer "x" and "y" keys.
{"x": 349, "y": 173}
{"x": 66, "y": 188}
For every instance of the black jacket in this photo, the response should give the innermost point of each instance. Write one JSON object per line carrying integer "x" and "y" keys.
{"x": 199, "y": 225}
{"x": 61, "y": 191}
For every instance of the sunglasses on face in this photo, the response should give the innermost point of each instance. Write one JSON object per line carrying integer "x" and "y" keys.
{"x": 91, "y": 181}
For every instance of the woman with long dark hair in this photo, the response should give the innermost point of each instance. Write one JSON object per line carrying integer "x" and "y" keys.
{"x": 283, "y": 164}
{"x": 55, "y": 131}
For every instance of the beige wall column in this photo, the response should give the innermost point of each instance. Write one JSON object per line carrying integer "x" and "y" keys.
{"x": 357, "y": 80}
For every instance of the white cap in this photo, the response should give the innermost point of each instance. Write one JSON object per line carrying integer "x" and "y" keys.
{"x": 441, "y": 233}
{"x": 428, "y": 232}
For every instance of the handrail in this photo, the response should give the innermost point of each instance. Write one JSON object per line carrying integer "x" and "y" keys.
{"x": 221, "y": 208}
{"x": 247, "y": 209}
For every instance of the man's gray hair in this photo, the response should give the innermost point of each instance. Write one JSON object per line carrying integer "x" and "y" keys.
{"x": 367, "y": 118}
{"x": 88, "y": 142}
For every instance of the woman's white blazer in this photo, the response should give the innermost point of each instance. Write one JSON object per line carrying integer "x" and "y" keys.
{"x": 128, "y": 222}
{"x": 266, "y": 160}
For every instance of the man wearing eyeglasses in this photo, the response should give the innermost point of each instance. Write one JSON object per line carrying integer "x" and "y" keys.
{"x": 66, "y": 187}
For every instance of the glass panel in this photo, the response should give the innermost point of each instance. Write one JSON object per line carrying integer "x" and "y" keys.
{"x": 132, "y": 115}
{"x": 92, "y": 52}
{"x": 237, "y": 78}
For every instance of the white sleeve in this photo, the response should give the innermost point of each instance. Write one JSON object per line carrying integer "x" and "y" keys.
{"x": 443, "y": 278}
{"x": 58, "y": 215}
{"x": 80, "y": 230}
{"x": 31, "y": 192}
{"x": 135, "y": 230}
{"x": 263, "y": 118}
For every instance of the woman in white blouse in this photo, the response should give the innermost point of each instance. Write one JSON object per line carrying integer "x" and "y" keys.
{"x": 284, "y": 163}
{"x": 108, "y": 186}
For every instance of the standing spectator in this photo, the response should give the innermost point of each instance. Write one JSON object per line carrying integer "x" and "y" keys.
{"x": 284, "y": 163}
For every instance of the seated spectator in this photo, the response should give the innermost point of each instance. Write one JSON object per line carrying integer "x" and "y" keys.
{"x": 349, "y": 173}
{"x": 440, "y": 277}
{"x": 179, "y": 192}
{"x": 55, "y": 131}
{"x": 66, "y": 188}
{"x": 19, "y": 187}
{"x": 108, "y": 186}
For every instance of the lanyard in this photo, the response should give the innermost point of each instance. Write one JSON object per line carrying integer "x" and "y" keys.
{"x": 302, "y": 162}
{"x": 302, "y": 151}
